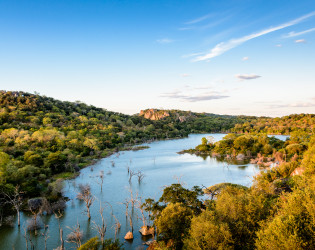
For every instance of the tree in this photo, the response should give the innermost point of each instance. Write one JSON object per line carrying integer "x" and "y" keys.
{"x": 101, "y": 229}
{"x": 14, "y": 199}
{"x": 173, "y": 223}
{"x": 86, "y": 196}
{"x": 76, "y": 235}
{"x": 175, "y": 193}
{"x": 293, "y": 226}
{"x": 208, "y": 233}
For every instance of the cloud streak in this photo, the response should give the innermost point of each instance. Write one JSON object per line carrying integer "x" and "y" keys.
{"x": 294, "y": 105}
{"x": 300, "y": 41}
{"x": 223, "y": 47}
{"x": 165, "y": 40}
{"x": 199, "y": 19}
{"x": 247, "y": 77}
{"x": 196, "y": 94}
{"x": 293, "y": 34}
{"x": 194, "y": 98}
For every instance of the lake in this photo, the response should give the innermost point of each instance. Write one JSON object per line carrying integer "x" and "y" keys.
{"x": 161, "y": 166}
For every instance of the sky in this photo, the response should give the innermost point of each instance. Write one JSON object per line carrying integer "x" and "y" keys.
{"x": 249, "y": 57}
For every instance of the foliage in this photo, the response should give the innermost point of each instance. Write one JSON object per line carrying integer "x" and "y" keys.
{"x": 173, "y": 223}
{"x": 207, "y": 233}
{"x": 91, "y": 244}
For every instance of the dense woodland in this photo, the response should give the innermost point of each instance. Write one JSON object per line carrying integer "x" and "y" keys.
{"x": 280, "y": 125}
{"x": 43, "y": 140}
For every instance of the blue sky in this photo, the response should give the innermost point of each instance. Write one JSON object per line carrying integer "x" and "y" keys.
{"x": 224, "y": 57}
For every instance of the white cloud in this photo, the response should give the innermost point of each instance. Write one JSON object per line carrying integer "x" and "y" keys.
{"x": 165, "y": 40}
{"x": 293, "y": 34}
{"x": 199, "y": 19}
{"x": 194, "y": 98}
{"x": 245, "y": 58}
{"x": 279, "y": 45}
{"x": 196, "y": 94}
{"x": 223, "y": 47}
{"x": 247, "y": 77}
{"x": 300, "y": 41}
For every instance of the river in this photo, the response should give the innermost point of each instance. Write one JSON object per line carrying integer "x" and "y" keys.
{"x": 161, "y": 166}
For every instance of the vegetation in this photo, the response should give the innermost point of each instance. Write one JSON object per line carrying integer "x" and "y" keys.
{"x": 43, "y": 141}
{"x": 281, "y": 125}
{"x": 259, "y": 147}
{"x": 276, "y": 212}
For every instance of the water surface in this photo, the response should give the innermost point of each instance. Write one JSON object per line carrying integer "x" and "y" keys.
{"x": 161, "y": 165}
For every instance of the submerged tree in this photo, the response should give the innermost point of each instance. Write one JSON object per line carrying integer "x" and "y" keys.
{"x": 76, "y": 235}
{"x": 86, "y": 196}
{"x": 14, "y": 199}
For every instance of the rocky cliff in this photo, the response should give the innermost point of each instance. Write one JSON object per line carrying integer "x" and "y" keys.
{"x": 154, "y": 114}
{"x": 176, "y": 115}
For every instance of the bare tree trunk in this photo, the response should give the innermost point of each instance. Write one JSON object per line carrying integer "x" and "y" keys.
{"x": 61, "y": 239}
{"x": 19, "y": 220}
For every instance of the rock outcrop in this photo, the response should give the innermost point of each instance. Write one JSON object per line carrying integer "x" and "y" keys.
{"x": 129, "y": 236}
{"x": 146, "y": 230}
{"x": 154, "y": 114}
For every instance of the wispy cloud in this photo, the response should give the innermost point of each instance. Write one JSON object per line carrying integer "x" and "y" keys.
{"x": 245, "y": 58}
{"x": 247, "y": 77}
{"x": 300, "y": 41}
{"x": 194, "y": 98}
{"x": 191, "y": 55}
{"x": 196, "y": 94}
{"x": 199, "y": 19}
{"x": 293, "y": 33}
{"x": 279, "y": 45}
{"x": 223, "y": 47}
{"x": 165, "y": 40}
{"x": 294, "y": 105}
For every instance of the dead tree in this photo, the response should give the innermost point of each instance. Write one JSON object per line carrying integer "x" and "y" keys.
{"x": 58, "y": 216}
{"x": 28, "y": 238}
{"x": 35, "y": 206}
{"x": 101, "y": 176}
{"x": 14, "y": 199}
{"x": 117, "y": 226}
{"x": 101, "y": 229}
{"x": 62, "y": 247}
{"x": 86, "y": 196}
{"x": 131, "y": 173}
{"x": 45, "y": 234}
{"x": 141, "y": 208}
{"x": 75, "y": 236}
{"x": 140, "y": 176}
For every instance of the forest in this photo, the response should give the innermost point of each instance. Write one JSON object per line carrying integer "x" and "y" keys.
{"x": 43, "y": 141}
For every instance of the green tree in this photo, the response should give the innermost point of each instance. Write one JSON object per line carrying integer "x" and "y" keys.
{"x": 173, "y": 223}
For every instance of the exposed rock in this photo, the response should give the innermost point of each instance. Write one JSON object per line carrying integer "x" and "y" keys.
{"x": 182, "y": 118}
{"x": 297, "y": 171}
{"x": 129, "y": 236}
{"x": 240, "y": 157}
{"x": 154, "y": 114}
{"x": 146, "y": 230}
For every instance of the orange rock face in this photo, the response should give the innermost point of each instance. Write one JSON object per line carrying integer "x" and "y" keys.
{"x": 154, "y": 114}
